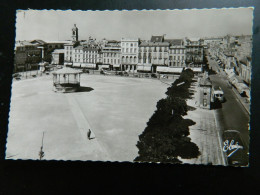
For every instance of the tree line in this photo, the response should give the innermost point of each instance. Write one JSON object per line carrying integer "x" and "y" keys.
{"x": 166, "y": 136}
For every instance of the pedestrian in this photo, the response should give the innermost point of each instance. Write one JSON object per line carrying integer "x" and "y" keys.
{"x": 89, "y": 133}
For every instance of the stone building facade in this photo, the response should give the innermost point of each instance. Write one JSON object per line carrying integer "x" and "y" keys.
{"x": 177, "y": 53}
{"x": 129, "y": 53}
{"x": 112, "y": 54}
{"x": 194, "y": 52}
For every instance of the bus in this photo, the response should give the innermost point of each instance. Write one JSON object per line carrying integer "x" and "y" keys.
{"x": 217, "y": 94}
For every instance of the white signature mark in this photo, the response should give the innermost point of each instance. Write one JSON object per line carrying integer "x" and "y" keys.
{"x": 231, "y": 146}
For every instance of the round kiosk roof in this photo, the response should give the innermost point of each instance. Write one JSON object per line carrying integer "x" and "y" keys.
{"x": 67, "y": 70}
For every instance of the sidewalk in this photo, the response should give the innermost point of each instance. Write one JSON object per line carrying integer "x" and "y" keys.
{"x": 205, "y": 134}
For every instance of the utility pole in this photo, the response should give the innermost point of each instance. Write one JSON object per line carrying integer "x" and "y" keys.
{"x": 41, "y": 153}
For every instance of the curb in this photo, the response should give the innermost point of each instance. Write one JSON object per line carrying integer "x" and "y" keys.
{"x": 224, "y": 159}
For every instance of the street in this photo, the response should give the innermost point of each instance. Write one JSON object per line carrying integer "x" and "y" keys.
{"x": 232, "y": 114}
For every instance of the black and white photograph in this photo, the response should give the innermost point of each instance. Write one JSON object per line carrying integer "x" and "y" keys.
{"x": 159, "y": 86}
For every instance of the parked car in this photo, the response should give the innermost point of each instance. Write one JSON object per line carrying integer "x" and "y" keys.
{"x": 119, "y": 73}
{"x": 153, "y": 75}
{"x": 126, "y": 74}
{"x": 164, "y": 76}
{"x": 234, "y": 148}
{"x": 147, "y": 75}
{"x": 85, "y": 70}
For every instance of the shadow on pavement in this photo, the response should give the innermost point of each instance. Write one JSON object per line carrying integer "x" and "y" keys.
{"x": 216, "y": 105}
{"x": 85, "y": 89}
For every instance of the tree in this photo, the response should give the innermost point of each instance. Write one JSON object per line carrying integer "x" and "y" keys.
{"x": 165, "y": 137}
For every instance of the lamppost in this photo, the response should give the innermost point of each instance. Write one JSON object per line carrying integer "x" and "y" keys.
{"x": 41, "y": 153}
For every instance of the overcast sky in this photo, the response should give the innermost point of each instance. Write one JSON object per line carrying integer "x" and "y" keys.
{"x": 57, "y": 25}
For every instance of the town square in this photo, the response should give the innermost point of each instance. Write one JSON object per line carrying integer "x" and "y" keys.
{"x": 149, "y": 97}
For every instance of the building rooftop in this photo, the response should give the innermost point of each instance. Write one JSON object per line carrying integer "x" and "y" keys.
{"x": 157, "y": 39}
{"x": 194, "y": 39}
{"x": 58, "y": 51}
{"x": 39, "y": 41}
{"x": 61, "y": 42}
{"x": 153, "y": 44}
{"x": 175, "y": 41}
{"x": 205, "y": 82}
{"x": 67, "y": 70}
{"x": 79, "y": 47}
{"x": 90, "y": 49}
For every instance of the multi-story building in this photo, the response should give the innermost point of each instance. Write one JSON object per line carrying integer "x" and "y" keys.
{"x": 58, "y": 57}
{"x": 91, "y": 56}
{"x": 27, "y": 56}
{"x": 194, "y": 52}
{"x": 153, "y": 53}
{"x": 87, "y": 56}
{"x": 177, "y": 53}
{"x": 245, "y": 69}
{"x": 112, "y": 54}
{"x": 68, "y": 48}
{"x": 129, "y": 53}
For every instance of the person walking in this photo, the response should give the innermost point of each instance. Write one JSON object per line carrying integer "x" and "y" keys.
{"x": 89, "y": 133}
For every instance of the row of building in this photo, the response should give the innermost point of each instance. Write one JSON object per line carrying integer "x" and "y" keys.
{"x": 129, "y": 54}
{"x": 234, "y": 55}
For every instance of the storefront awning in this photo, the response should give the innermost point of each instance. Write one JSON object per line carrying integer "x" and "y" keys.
{"x": 144, "y": 68}
{"x": 116, "y": 65}
{"x": 247, "y": 92}
{"x": 76, "y": 64}
{"x": 84, "y": 65}
{"x": 196, "y": 69}
{"x": 241, "y": 87}
{"x": 104, "y": 66}
{"x": 162, "y": 69}
{"x": 169, "y": 69}
{"x": 175, "y": 70}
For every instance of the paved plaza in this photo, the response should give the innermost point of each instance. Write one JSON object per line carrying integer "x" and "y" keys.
{"x": 116, "y": 110}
